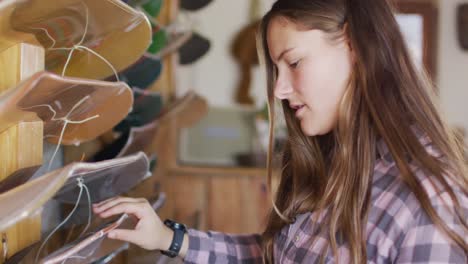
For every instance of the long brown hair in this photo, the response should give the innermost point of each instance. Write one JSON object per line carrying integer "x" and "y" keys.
{"x": 386, "y": 99}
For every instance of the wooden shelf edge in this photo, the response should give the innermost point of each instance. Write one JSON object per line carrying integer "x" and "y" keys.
{"x": 217, "y": 171}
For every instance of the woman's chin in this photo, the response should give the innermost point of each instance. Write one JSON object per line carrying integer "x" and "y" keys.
{"x": 311, "y": 130}
{"x": 308, "y": 130}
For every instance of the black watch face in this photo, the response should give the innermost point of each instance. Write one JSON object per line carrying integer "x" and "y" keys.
{"x": 175, "y": 225}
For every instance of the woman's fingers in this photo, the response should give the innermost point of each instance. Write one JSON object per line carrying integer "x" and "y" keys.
{"x": 135, "y": 208}
{"x": 112, "y": 201}
{"x": 122, "y": 198}
{"x": 147, "y": 231}
{"x": 131, "y": 236}
{"x": 103, "y": 206}
{"x": 106, "y": 201}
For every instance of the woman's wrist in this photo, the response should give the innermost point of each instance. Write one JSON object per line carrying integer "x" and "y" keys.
{"x": 166, "y": 238}
{"x": 185, "y": 246}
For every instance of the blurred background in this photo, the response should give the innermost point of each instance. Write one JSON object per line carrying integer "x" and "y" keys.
{"x": 435, "y": 31}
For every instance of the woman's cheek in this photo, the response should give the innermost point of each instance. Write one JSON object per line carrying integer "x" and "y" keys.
{"x": 304, "y": 81}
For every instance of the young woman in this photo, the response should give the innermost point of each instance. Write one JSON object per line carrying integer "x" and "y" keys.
{"x": 371, "y": 172}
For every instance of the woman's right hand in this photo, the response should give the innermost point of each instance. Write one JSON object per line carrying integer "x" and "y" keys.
{"x": 150, "y": 233}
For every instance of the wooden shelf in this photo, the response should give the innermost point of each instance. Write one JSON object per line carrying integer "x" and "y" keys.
{"x": 218, "y": 171}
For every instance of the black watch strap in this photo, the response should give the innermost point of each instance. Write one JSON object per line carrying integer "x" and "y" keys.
{"x": 177, "y": 239}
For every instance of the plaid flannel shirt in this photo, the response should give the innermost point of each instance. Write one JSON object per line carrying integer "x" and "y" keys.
{"x": 398, "y": 229}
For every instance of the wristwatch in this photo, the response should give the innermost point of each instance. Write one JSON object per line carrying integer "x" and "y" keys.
{"x": 177, "y": 239}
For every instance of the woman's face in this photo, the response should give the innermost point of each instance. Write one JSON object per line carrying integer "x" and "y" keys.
{"x": 312, "y": 73}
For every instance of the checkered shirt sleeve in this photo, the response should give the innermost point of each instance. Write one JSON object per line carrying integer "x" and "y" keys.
{"x": 215, "y": 247}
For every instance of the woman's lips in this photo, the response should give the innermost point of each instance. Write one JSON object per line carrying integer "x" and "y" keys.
{"x": 297, "y": 108}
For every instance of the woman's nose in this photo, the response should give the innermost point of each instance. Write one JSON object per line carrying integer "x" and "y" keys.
{"x": 282, "y": 89}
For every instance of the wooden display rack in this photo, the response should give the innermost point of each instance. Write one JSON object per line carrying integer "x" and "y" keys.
{"x": 21, "y": 144}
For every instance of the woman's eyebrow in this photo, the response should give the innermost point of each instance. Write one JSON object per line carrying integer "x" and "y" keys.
{"x": 283, "y": 53}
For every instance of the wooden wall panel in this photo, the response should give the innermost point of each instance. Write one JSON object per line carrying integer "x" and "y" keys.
{"x": 237, "y": 204}
{"x": 187, "y": 198}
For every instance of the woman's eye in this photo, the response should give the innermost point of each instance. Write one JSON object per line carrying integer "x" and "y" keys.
{"x": 294, "y": 65}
